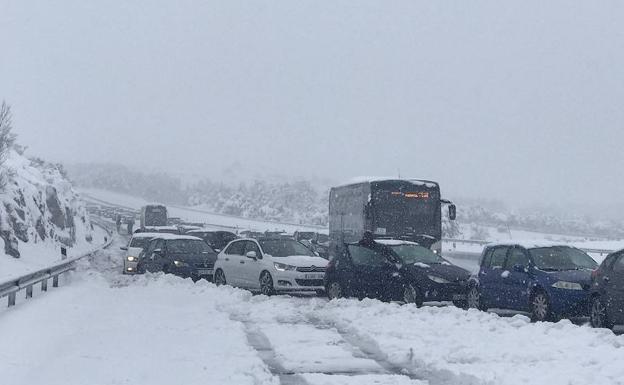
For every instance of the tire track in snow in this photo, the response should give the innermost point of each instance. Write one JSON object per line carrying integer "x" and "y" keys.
{"x": 412, "y": 368}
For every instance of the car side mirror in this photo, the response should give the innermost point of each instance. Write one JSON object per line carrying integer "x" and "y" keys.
{"x": 452, "y": 212}
{"x": 124, "y": 248}
{"x": 251, "y": 255}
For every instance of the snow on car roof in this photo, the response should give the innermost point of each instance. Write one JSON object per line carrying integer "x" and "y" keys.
{"x": 529, "y": 244}
{"x": 363, "y": 179}
{"x": 161, "y": 228}
{"x": 145, "y": 235}
{"x": 169, "y": 237}
{"x": 395, "y": 242}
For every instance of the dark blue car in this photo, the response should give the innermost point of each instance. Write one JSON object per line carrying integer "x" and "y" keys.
{"x": 547, "y": 281}
{"x": 395, "y": 270}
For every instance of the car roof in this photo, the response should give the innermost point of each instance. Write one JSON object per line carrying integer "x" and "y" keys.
{"x": 395, "y": 242}
{"x": 169, "y": 237}
{"x": 145, "y": 235}
{"x": 529, "y": 244}
{"x": 162, "y": 228}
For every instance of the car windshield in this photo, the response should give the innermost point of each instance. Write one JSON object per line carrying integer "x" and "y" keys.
{"x": 139, "y": 242}
{"x": 411, "y": 254}
{"x": 561, "y": 258}
{"x": 188, "y": 246}
{"x": 284, "y": 247}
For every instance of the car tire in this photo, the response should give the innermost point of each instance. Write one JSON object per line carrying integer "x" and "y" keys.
{"x": 266, "y": 284}
{"x": 462, "y": 304}
{"x": 412, "y": 294}
{"x": 473, "y": 299}
{"x": 321, "y": 293}
{"x": 335, "y": 290}
{"x": 598, "y": 315}
{"x": 540, "y": 307}
{"x": 219, "y": 278}
{"x": 165, "y": 269}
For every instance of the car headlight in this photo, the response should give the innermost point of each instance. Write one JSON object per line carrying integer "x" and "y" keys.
{"x": 567, "y": 285}
{"x": 284, "y": 267}
{"x": 180, "y": 264}
{"x": 132, "y": 259}
{"x": 437, "y": 279}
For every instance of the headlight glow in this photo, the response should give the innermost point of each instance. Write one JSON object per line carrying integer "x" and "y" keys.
{"x": 283, "y": 267}
{"x": 132, "y": 259}
{"x": 180, "y": 264}
{"x": 437, "y": 279}
{"x": 567, "y": 285}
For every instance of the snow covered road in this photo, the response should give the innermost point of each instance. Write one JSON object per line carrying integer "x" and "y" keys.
{"x": 104, "y": 328}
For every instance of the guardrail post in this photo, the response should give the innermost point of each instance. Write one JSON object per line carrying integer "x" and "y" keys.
{"x": 44, "y": 285}
{"x": 11, "y": 299}
{"x": 55, "y": 281}
{"x": 29, "y": 291}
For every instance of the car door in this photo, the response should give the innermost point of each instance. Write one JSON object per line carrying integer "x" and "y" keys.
{"x": 490, "y": 276}
{"x": 232, "y": 265}
{"x": 372, "y": 272}
{"x": 515, "y": 278}
{"x": 251, "y": 268}
{"x": 614, "y": 288}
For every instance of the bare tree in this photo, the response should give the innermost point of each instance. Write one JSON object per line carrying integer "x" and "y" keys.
{"x": 7, "y": 139}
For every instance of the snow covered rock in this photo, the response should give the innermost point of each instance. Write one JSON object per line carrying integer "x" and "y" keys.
{"x": 38, "y": 204}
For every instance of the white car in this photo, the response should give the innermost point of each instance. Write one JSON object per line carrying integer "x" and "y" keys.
{"x": 134, "y": 248}
{"x": 270, "y": 265}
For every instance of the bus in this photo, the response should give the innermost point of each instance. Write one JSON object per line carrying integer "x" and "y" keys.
{"x": 406, "y": 209}
{"x": 153, "y": 215}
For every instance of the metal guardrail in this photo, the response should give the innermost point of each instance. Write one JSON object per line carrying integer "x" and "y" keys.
{"x": 26, "y": 282}
{"x": 483, "y": 243}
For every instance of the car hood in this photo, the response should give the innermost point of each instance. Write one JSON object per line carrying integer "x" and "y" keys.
{"x": 449, "y": 271}
{"x": 301, "y": 261}
{"x": 578, "y": 276}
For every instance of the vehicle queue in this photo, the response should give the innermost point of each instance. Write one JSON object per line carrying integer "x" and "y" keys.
{"x": 387, "y": 246}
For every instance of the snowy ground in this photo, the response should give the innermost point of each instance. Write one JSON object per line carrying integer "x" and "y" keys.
{"x": 191, "y": 214}
{"x": 102, "y": 327}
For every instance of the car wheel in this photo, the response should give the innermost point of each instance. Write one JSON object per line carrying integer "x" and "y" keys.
{"x": 334, "y": 291}
{"x": 598, "y": 316}
{"x": 474, "y": 299}
{"x": 412, "y": 294}
{"x": 219, "y": 278}
{"x": 165, "y": 269}
{"x": 540, "y": 307}
{"x": 266, "y": 284}
{"x": 321, "y": 293}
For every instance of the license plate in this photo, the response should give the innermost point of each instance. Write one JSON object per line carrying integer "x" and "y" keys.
{"x": 313, "y": 276}
{"x": 458, "y": 297}
{"x": 204, "y": 271}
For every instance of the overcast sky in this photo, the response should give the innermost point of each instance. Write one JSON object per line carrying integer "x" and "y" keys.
{"x": 522, "y": 101}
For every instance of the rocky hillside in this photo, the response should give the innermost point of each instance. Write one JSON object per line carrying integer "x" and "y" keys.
{"x": 39, "y": 206}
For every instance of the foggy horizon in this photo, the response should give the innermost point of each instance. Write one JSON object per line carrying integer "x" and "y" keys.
{"x": 518, "y": 103}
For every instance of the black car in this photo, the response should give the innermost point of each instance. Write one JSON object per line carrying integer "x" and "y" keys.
{"x": 395, "y": 270}
{"x": 184, "y": 256}
{"x": 607, "y": 293}
{"x": 215, "y": 239}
